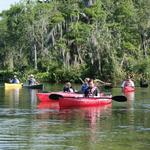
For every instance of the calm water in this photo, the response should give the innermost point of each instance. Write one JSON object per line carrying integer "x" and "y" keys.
{"x": 27, "y": 124}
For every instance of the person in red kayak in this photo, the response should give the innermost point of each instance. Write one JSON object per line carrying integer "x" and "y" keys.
{"x": 92, "y": 89}
{"x": 127, "y": 83}
{"x": 85, "y": 85}
{"x": 68, "y": 87}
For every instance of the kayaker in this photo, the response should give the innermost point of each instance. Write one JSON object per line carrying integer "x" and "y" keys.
{"x": 15, "y": 80}
{"x": 85, "y": 85}
{"x": 128, "y": 83}
{"x": 92, "y": 89}
{"x": 68, "y": 87}
{"x": 32, "y": 80}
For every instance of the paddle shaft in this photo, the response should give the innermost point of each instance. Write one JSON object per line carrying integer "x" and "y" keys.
{"x": 120, "y": 98}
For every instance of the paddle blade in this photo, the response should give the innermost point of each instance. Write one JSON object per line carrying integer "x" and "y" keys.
{"x": 120, "y": 98}
{"x": 55, "y": 96}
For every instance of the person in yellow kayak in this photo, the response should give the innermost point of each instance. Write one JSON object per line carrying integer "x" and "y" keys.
{"x": 14, "y": 80}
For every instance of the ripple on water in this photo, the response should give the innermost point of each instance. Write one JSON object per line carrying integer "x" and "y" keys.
{"x": 141, "y": 129}
{"x": 147, "y": 106}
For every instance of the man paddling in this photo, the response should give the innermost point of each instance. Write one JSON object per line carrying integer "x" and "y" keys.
{"x": 32, "y": 80}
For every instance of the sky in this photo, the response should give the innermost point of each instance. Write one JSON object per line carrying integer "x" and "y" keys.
{"x": 5, "y": 4}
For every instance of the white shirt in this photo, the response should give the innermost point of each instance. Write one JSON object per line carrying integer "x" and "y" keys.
{"x": 127, "y": 83}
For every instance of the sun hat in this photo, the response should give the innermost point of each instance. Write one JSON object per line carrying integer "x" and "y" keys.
{"x": 31, "y": 75}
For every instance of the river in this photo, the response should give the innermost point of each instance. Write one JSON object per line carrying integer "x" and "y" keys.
{"x": 26, "y": 124}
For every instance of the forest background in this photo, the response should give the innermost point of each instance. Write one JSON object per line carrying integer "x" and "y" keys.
{"x": 64, "y": 40}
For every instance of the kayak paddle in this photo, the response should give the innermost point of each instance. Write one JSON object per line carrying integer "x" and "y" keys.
{"x": 119, "y": 98}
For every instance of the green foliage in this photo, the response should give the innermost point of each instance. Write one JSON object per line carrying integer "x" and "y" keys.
{"x": 142, "y": 66}
{"x": 95, "y": 12}
{"x": 64, "y": 40}
{"x": 79, "y": 31}
{"x": 57, "y": 18}
{"x": 5, "y": 75}
{"x": 129, "y": 48}
{"x": 42, "y": 76}
{"x": 65, "y": 74}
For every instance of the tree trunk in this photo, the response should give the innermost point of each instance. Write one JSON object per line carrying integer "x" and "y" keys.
{"x": 35, "y": 57}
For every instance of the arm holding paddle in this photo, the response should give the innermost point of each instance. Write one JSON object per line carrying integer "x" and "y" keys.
{"x": 102, "y": 82}
{"x": 32, "y": 80}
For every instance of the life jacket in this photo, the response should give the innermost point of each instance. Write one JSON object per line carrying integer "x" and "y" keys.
{"x": 127, "y": 83}
{"x": 91, "y": 91}
{"x": 32, "y": 81}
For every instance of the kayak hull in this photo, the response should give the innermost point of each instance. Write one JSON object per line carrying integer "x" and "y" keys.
{"x": 44, "y": 97}
{"x": 128, "y": 89}
{"x": 12, "y": 85}
{"x": 67, "y": 102}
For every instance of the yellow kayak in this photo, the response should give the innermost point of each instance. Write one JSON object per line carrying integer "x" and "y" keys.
{"x": 13, "y": 85}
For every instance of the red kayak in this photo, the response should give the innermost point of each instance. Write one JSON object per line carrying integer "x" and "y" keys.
{"x": 48, "y": 105}
{"x": 68, "y": 102}
{"x": 128, "y": 89}
{"x": 44, "y": 97}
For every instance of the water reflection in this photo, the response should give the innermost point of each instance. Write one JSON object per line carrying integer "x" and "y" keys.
{"x": 130, "y": 100}
{"x": 130, "y": 95}
{"x": 48, "y": 105}
{"x": 37, "y": 125}
{"x": 33, "y": 97}
{"x": 125, "y": 112}
{"x": 94, "y": 117}
{"x": 12, "y": 97}
{"x": 90, "y": 115}
{"x": 20, "y": 98}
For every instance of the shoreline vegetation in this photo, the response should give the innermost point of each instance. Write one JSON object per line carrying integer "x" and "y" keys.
{"x": 44, "y": 78}
{"x": 61, "y": 41}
